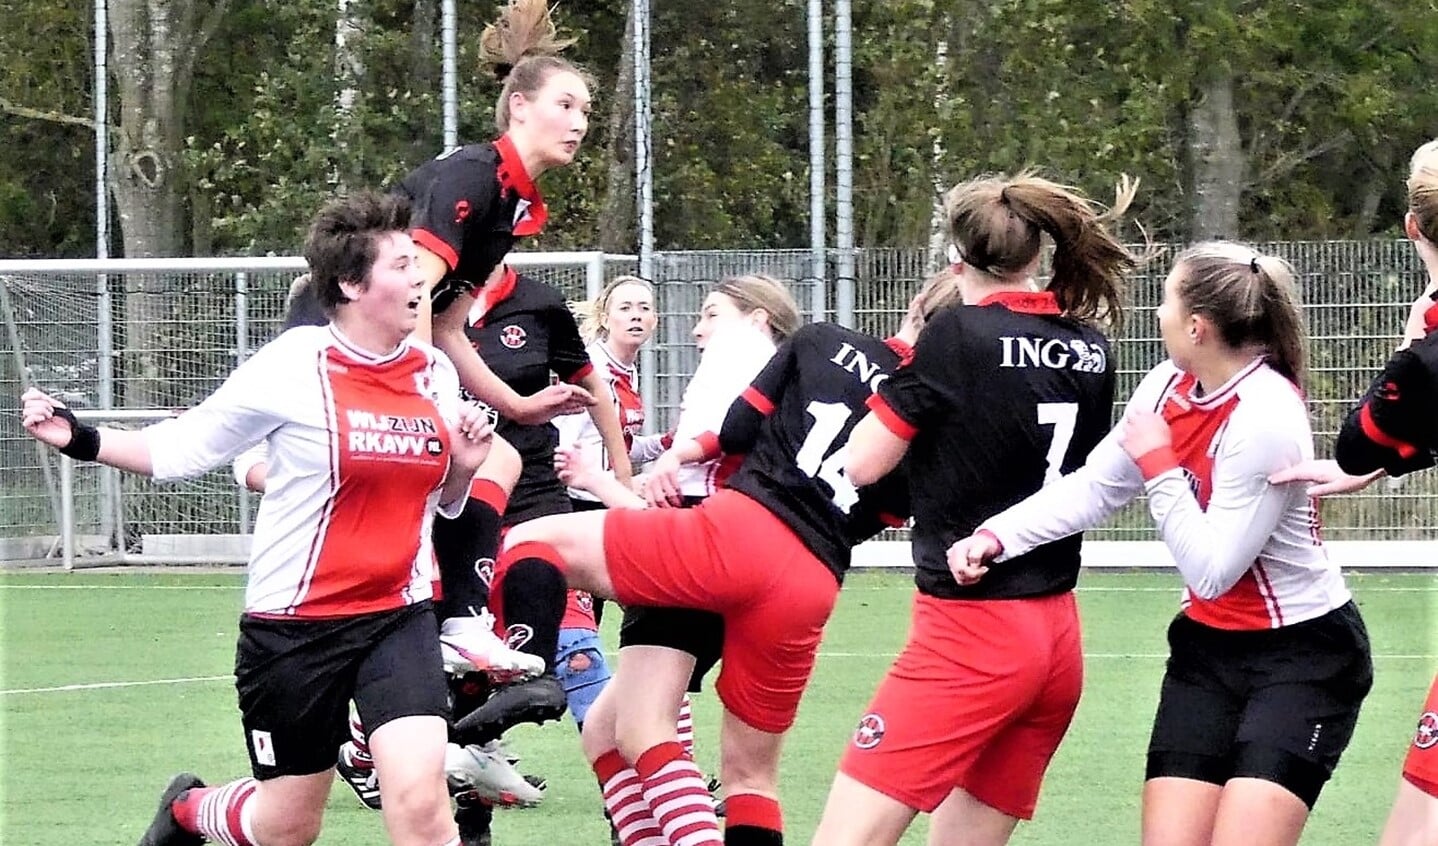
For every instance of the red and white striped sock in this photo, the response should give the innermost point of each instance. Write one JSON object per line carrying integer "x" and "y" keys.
{"x": 686, "y": 726}
{"x": 624, "y": 800}
{"x": 360, "y": 750}
{"x": 677, "y": 798}
{"x": 221, "y": 814}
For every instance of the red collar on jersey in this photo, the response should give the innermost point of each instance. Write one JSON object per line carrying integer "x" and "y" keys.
{"x": 1025, "y": 302}
{"x": 513, "y": 177}
{"x": 489, "y": 296}
{"x": 901, "y": 348}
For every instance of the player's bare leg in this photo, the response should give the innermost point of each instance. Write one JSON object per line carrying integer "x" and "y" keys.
{"x": 1255, "y": 812}
{"x": 749, "y": 768}
{"x": 1413, "y": 820}
{"x": 409, "y": 760}
{"x": 1179, "y": 811}
{"x": 962, "y": 820}
{"x": 859, "y": 815}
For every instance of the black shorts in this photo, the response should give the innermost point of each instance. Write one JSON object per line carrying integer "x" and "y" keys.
{"x": 296, "y": 678}
{"x": 1276, "y": 704}
{"x": 699, "y": 633}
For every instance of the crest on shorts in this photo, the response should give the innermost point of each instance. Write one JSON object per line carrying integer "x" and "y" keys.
{"x": 869, "y": 732}
{"x": 584, "y": 601}
{"x": 1427, "y": 734}
{"x": 484, "y": 569}
{"x": 513, "y": 336}
{"x": 517, "y": 635}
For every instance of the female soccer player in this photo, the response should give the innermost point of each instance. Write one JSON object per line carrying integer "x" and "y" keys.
{"x": 1269, "y": 659}
{"x": 615, "y": 326}
{"x": 366, "y": 439}
{"x": 472, "y": 203}
{"x": 1394, "y": 431}
{"x": 1003, "y": 394}
{"x": 739, "y": 324}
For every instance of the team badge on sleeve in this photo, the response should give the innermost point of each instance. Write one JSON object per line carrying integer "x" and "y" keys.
{"x": 513, "y": 336}
{"x": 870, "y": 731}
{"x": 1427, "y": 735}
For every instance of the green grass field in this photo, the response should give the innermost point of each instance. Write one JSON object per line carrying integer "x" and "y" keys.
{"x": 111, "y": 682}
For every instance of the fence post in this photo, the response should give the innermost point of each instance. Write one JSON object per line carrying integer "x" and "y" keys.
{"x": 242, "y": 352}
{"x": 594, "y": 276}
{"x": 67, "y": 511}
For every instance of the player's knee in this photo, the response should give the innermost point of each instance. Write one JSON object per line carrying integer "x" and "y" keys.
{"x": 419, "y": 809}
{"x": 751, "y": 767}
{"x": 294, "y": 830}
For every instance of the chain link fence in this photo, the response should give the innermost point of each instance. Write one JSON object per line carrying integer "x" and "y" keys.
{"x": 175, "y": 335}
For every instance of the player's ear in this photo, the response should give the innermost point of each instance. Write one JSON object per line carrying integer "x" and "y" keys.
{"x": 352, "y": 288}
{"x": 759, "y": 318}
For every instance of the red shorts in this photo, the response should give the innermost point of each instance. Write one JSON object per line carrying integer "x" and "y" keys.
{"x": 730, "y": 555}
{"x": 1420, "y": 768}
{"x": 979, "y": 699}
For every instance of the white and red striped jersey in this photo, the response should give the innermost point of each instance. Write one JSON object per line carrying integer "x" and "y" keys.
{"x": 578, "y": 430}
{"x": 1251, "y": 553}
{"x": 357, "y": 446}
{"x": 734, "y": 356}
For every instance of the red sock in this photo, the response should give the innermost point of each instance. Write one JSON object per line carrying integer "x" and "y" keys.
{"x": 753, "y": 820}
{"x": 624, "y": 800}
{"x": 675, "y": 791}
{"x": 218, "y": 813}
{"x": 685, "y": 725}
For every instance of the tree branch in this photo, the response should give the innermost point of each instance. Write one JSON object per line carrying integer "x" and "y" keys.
{"x": 208, "y": 26}
{"x": 54, "y": 117}
{"x": 1288, "y": 162}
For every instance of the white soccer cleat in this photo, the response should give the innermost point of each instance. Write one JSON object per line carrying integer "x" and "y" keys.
{"x": 484, "y": 771}
{"x": 469, "y": 645}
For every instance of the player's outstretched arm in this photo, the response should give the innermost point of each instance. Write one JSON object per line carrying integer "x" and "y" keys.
{"x": 50, "y": 422}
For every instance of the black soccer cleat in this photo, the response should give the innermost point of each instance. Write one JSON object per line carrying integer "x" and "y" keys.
{"x": 362, "y": 780}
{"x": 537, "y": 700}
{"x": 164, "y": 830}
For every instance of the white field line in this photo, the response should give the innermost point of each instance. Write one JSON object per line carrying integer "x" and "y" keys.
{"x": 1097, "y": 656}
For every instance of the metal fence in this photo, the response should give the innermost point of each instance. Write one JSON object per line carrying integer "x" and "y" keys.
{"x": 172, "y": 336}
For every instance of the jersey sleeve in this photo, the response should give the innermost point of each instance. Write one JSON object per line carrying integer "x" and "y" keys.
{"x": 1215, "y": 546}
{"x": 917, "y": 394}
{"x": 1083, "y": 499}
{"x": 1393, "y": 428}
{"x": 444, "y": 209}
{"x": 746, "y": 414}
{"x": 568, "y": 357}
{"x": 244, "y": 410}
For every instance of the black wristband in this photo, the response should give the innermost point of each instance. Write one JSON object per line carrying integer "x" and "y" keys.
{"x": 84, "y": 439}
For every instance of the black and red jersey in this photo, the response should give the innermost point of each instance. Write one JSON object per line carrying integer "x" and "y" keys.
{"x": 1396, "y": 426}
{"x": 999, "y": 398}
{"x": 525, "y": 332}
{"x": 471, "y": 204}
{"x": 793, "y": 424}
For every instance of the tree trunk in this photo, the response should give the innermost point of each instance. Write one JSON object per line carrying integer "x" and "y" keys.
{"x": 617, "y": 215}
{"x": 938, "y": 224}
{"x": 349, "y": 71}
{"x": 1220, "y": 164}
{"x": 155, "y": 44}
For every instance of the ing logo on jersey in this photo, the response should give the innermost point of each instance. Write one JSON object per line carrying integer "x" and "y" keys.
{"x": 513, "y": 336}
{"x": 1427, "y": 735}
{"x": 461, "y": 211}
{"x": 584, "y": 601}
{"x": 870, "y": 731}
